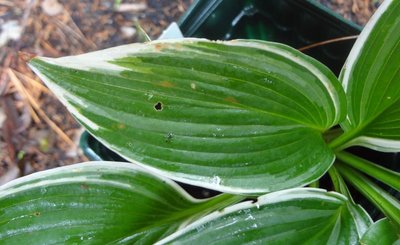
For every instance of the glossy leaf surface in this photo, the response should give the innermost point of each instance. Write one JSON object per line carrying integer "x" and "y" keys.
{"x": 96, "y": 203}
{"x": 239, "y": 116}
{"x": 295, "y": 216}
{"x": 371, "y": 79}
{"x": 383, "y": 233}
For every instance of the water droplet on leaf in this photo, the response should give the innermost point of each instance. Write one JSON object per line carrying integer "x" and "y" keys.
{"x": 216, "y": 180}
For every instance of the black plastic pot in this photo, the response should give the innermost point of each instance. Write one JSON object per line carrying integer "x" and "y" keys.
{"x": 297, "y": 23}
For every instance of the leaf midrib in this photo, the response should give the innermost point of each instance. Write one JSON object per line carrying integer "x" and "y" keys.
{"x": 232, "y": 105}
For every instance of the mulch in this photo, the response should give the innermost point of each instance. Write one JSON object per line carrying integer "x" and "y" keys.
{"x": 37, "y": 132}
{"x": 358, "y": 11}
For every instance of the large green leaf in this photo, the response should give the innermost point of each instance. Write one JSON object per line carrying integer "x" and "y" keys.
{"x": 371, "y": 79}
{"x": 295, "y": 216}
{"x": 96, "y": 203}
{"x": 383, "y": 233}
{"x": 238, "y": 116}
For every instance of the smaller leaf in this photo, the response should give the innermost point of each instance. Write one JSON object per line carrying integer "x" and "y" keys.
{"x": 295, "y": 216}
{"x": 382, "y": 232}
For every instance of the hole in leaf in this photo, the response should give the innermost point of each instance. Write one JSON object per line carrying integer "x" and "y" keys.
{"x": 168, "y": 137}
{"x": 158, "y": 106}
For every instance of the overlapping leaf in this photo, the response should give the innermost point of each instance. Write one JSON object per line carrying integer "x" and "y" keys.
{"x": 239, "y": 116}
{"x": 371, "y": 79}
{"x": 362, "y": 220}
{"x": 96, "y": 203}
{"x": 383, "y": 233}
{"x": 296, "y": 216}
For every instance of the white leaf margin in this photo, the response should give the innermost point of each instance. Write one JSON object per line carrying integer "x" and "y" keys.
{"x": 377, "y": 144}
{"x": 23, "y": 183}
{"x": 300, "y": 60}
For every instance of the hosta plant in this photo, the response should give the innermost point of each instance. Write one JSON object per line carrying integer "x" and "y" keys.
{"x": 258, "y": 121}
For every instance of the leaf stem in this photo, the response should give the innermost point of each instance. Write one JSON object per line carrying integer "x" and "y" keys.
{"x": 334, "y": 175}
{"x": 340, "y": 142}
{"x": 224, "y": 200}
{"x": 389, "y": 205}
{"x": 338, "y": 183}
{"x": 332, "y": 134}
{"x": 314, "y": 184}
{"x": 216, "y": 203}
{"x": 385, "y": 175}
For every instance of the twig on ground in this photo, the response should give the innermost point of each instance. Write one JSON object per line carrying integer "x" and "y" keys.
{"x": 36, "y": 84}
{"x": 3, "y": 75}
{"x": 18, "y": 85}
{"x": 36, "y": 106}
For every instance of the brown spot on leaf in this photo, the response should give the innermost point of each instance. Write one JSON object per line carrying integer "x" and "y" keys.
{"x": 178, "y": 46}
{"x": 84, "y": 186}
{"x": 231, "y": 99}
{"x": 118, "y": 126}
{"x": 167, "y": 84}
{"x": 159, "y": 46}
{"x": 36, "y": 213}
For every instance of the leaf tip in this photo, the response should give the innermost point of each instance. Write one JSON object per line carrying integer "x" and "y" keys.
{"x": 26, "y": 57}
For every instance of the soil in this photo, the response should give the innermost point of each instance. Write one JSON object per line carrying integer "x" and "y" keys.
{"x": 37, "y": 132}
{"x": 358, "y": 11}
